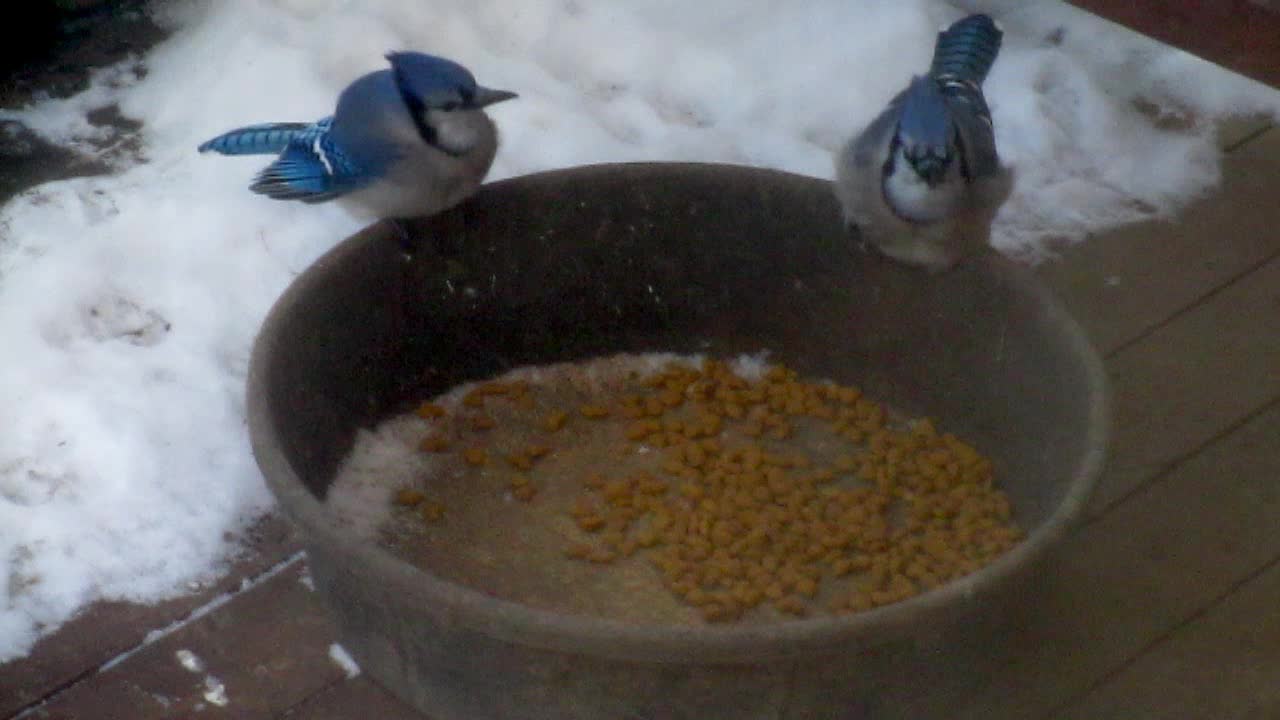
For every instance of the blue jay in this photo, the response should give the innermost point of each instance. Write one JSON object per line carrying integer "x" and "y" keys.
{"x": 405, "y": 142}
{"x": 923, "y": 182}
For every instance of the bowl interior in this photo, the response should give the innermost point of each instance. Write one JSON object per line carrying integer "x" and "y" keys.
{"x": 682, "y": 258}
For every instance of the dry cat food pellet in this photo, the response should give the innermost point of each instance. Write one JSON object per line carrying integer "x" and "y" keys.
{"x": 742, "y": 492}
{"x": 434, "y": 443}
{"x": 556, "y": 420}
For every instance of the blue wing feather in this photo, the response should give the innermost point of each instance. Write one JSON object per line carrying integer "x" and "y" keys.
{"x": 311, "y": 169}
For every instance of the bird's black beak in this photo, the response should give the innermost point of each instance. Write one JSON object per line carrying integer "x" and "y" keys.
{"x": 932, "y": 170}
{"x": 487, "y": 96}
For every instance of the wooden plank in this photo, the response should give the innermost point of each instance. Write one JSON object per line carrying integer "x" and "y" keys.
{"x": 354, "y": 698}
{"x": 1239, "y": 35}
{"x": 1121, "y": 583}
{"x": 107, "y": 629}
{"x": 1126, "y": 282}
{"x": 1225, "y": 666}
{"x": 263, "y": 652}
{"x": 1191, "y": 380}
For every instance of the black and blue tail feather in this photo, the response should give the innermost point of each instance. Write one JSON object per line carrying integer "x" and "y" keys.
{"x": 263, "y": 139}
{"x": 966, "y": 50}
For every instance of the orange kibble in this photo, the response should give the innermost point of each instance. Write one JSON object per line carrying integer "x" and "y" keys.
{"x": 428, "y": 411}
{"x": 807, "y": 587}
{"x": 695, "y": 456}
{"x": 653, "y": 407}
{"x": 434, "y": 444}
{"x": 729, "y": 524}
{"x": 791, "y": 605}
{"x": 555, "y": 420}
{"x": 408, "y": 497}
{"x": 693, "y": 491}
{"x": 641, "y": 429}
{"x": 631, "y": 412}
{"x": 615, "y": 489}
{"x": 591, "y": 523}
{"x": 595, "y": 412}
{"x": 493, "y": 388}
{"x": 924, "y": 427}
{"x": 648, "y": 538}
{"x": 578, "y": 551}
{"x": 715, "y": 612}
{"x": 859, "y": 602}
{"x": 601, "y": 555}
{"x": 612, "y": 538}
{"x": 652, "y": 486}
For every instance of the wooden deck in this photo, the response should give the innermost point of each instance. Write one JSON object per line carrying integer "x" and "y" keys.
{"x": 1164, "y": 604}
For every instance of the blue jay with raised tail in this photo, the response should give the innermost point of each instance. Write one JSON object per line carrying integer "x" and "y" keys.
{"x": 922, "y": 183}
{"x": 403, "y": 142}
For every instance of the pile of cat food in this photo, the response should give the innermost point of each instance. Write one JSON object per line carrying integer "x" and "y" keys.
{"x": 738, "y": 491}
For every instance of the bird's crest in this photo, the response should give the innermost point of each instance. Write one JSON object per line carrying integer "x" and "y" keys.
{"x": 428, "y": 81}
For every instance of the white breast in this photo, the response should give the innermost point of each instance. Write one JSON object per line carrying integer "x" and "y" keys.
{"x": 424, "y": 181}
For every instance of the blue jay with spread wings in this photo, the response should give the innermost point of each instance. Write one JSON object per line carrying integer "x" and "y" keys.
{"x": 403, "y": 142}
{"x": 923, "y": 182}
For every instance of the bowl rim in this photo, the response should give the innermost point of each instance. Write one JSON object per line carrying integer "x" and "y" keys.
{"x": 517, "y": 623}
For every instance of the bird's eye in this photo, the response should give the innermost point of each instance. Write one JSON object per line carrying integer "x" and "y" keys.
{"x": 450, "y": 105}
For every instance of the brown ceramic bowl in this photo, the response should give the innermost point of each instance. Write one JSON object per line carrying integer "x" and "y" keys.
{"x": 656, "y": 257}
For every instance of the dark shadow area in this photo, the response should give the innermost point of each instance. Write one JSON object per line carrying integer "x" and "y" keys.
{"x": 50, "y": 49}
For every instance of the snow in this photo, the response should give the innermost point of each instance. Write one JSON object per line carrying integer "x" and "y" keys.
{"x": 189, "y": 660}
{"x": 214, "y": 691}
{"x": 343, "y": 659}
{"x": 128, "y": 303}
